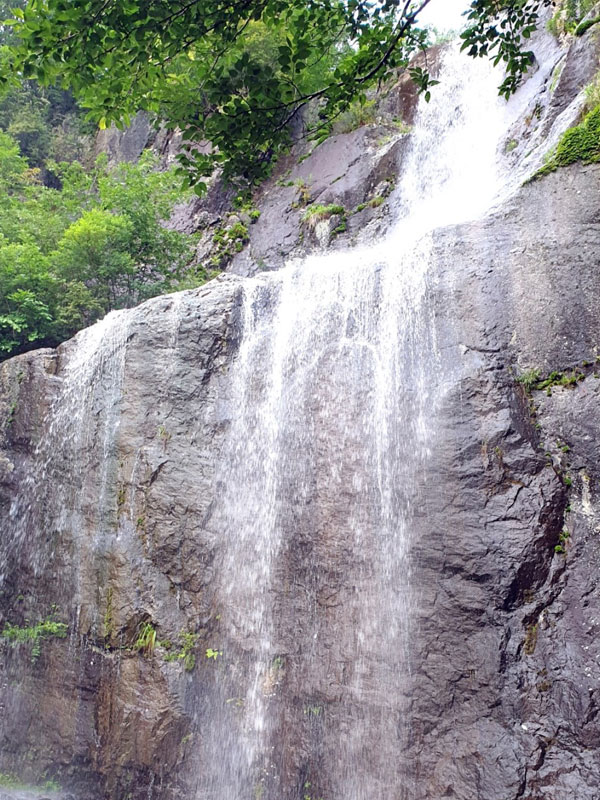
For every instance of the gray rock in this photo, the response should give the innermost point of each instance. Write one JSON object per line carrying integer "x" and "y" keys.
{"x": 127, "y": 144}
{"x": 109, "y": 507}
{"x": 502, "y": 691}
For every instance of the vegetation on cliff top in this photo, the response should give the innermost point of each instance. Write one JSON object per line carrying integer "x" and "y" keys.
{"x": 77, "y": 238}
{"x": 235, "y": 73}
{"x": 69, "y": 255}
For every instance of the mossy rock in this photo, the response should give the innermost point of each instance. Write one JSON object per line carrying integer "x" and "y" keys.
{"x": 581, "y": 143}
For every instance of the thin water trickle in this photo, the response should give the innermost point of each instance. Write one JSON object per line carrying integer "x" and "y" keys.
{"x": 82, "y": 422}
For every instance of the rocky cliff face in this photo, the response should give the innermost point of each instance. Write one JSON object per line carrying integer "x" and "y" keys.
{"x": 112, "y": 498}
{"x": 505, "y": 684}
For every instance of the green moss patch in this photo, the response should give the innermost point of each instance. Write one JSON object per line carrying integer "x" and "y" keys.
{"x": 581, "y": 143}
{"x": 319, "y": 212}
{"x": 585, "y": 25}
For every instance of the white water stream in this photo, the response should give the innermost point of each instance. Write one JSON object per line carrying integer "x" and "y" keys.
{"x": 332, "y": 402}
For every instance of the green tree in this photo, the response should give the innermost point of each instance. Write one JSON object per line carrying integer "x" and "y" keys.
{"x": 145, "y": 197}
{"x": 69, "y": 255}
{"x": 27, "y": 289}
{"x": 94, "y": 251}
{"x": 32, "y": 113}
{"x": 197, "y": 64}
{"x": 12, "y": 166}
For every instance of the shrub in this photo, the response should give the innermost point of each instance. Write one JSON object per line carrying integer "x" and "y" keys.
{"x": 360, "y": 112}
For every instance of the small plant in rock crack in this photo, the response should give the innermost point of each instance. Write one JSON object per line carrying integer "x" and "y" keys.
{"x": 313, "y": 711}
{"x": 304, "y": 193}
{"x": 307, "y": 796}
{"x": 528, "y": 379}
{"x": 163, "y": 433}
{"x": 530, "y": 640}
{"x": 146, "y": 641}
{"x": 213, "y": 654}
{"x": 319, "y": 212}
{"x": 34, "y": 635}
{"x": 532, "y": 379}
{"x": 11, "y": 413}
{"x": 184, "y": 652}
{"x": 562, "y": 538}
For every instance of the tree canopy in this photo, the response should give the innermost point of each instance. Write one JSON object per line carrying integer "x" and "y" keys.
{"x": 235, "y": 73}
{"x": 69, "y": 255}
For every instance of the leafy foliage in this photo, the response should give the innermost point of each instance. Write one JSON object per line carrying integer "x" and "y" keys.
{"x": 497, "y": 30}
{"x": 33, "y": 635}
{"x": 7, "y": 8}
{"x": 235, "y": 74}
{"x": 69, "y": 255}
{"x": 41, "y": 118}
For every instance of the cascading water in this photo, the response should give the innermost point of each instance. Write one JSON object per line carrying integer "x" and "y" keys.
{"x": 332, "y": 400}
{"x": 96, "y": 362}
{"x": 329, "y": 415}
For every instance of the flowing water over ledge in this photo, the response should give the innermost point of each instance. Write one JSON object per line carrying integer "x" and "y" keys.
{"x": 332, "y": 400}
{"x": 329, "y": 419}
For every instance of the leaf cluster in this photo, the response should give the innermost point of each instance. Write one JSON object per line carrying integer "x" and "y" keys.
{"x": 69, "y": 255}
{"x": 499, "y": 29}
{"x": 232, "y": 74}
{"x": 33, "y": 635}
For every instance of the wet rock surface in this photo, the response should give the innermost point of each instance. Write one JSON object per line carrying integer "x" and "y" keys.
{"x": 508, "y": 702}
{"x": 503, "y": 686}
{"x": 112, "y": 529}
{"x": 94, "y": 708}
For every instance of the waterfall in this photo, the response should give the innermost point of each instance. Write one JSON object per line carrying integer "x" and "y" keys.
{"x": 332, "y": 406}
{"x": 89, "y": 393}
{"x": 328, "y": 413}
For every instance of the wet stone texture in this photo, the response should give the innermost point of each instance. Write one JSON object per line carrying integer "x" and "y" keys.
{"x": 109, "y": 523}
{"x": 104, "y": 536}
{"x": 502, "y": 689}
{"x": 505, "y": 682}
